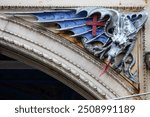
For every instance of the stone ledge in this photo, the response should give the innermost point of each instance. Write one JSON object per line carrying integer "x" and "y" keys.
{"x": 118, "y": 3}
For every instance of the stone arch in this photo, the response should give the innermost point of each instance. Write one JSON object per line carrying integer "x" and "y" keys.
{"x": 63, "y": 60}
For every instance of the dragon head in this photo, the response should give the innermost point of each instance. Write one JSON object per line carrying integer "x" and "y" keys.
{"x": 121, "y": 29}
{"x": 123, "y": 33}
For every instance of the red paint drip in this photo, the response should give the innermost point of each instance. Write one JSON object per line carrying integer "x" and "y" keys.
{"x": 105, "y": 69}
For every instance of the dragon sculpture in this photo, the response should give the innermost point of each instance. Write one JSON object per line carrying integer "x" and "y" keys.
{"x": 107, "y": 33}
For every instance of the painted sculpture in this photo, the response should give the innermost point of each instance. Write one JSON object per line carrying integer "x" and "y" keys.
{"x": 107, "y": 33}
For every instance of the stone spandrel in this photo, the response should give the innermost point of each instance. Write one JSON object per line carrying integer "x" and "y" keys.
{"x": 129, "y": 3}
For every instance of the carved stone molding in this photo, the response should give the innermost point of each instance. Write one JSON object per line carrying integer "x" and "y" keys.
{"x": 61, "y": 59}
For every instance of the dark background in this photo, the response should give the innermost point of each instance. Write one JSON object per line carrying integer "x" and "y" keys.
{"x": 18, "y": 83}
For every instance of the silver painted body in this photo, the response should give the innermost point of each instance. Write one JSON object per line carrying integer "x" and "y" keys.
{"x": 123, "y": 38}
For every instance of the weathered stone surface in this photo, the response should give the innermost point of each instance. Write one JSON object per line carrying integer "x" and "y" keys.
{"x": 55, "y": 56}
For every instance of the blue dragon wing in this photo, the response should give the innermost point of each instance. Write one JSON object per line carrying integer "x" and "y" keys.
{"x": 74, "y": 21}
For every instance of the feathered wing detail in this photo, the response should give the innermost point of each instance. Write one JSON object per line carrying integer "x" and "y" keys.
{"x": 75, "y": 21}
